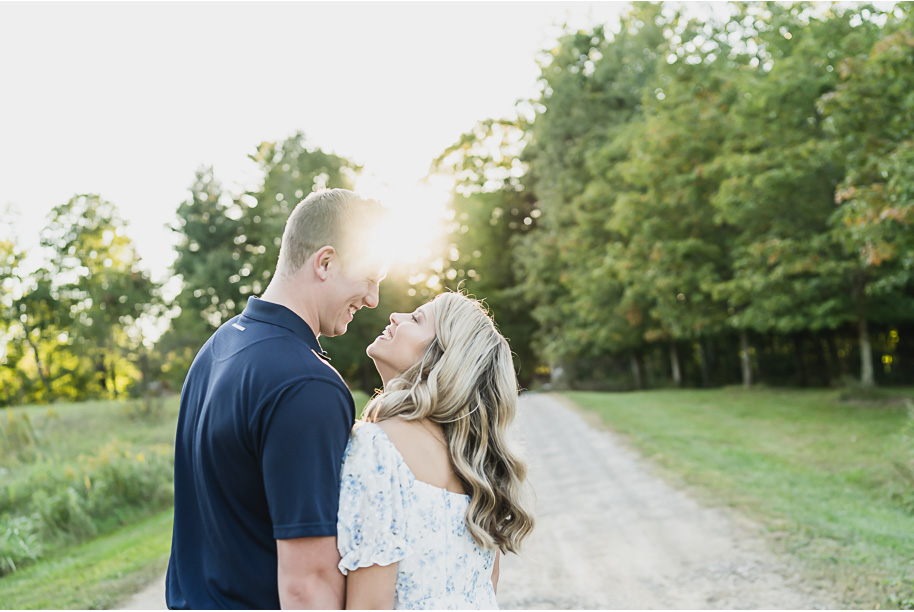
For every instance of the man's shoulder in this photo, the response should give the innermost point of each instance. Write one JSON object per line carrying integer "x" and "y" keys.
{"x": 274, "y": 356}
{"x": 270, "y": 346}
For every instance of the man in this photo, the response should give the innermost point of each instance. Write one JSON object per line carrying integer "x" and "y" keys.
{"x": 264, "y": 421}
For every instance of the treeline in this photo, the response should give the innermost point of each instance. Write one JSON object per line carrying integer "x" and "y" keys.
{"x": 686, "y": 202}
{"x": 79, "y": 326}
{"x": 698, "y": 203}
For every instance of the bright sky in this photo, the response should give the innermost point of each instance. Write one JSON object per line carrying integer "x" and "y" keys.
{"x": 127, "y": 100}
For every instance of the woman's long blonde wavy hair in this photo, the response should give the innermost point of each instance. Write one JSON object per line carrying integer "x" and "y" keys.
{"x": 465, "y": 382}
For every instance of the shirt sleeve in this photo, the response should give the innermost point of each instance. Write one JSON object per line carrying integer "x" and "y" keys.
{"x": 303, "y": 437}
{"x": 371, "y": 528}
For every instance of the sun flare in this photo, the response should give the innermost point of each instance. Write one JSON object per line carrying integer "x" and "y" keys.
{"x": 415, "y": 231}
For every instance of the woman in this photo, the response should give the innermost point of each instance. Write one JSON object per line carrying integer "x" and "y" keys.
{"x": 430, "y": 491}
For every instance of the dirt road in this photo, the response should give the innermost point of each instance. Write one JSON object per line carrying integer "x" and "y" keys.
{"x": 611, "y": 534}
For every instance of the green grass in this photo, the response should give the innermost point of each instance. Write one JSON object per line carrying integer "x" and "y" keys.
{"x": 818, "y": 472}
{"x": 95, "y": 575}
{"x": 68, "y": 430}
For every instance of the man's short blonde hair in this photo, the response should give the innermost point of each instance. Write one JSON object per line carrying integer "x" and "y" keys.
{"x": 329, "y": 217}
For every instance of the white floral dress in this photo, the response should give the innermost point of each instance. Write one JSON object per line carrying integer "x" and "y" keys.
{"x": 388, "y": 516}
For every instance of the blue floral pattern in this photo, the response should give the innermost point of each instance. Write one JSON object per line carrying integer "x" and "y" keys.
{"x": 389, "y": 516}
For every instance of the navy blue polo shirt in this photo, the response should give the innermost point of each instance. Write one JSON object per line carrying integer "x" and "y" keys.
{"x": 263, "y": 424}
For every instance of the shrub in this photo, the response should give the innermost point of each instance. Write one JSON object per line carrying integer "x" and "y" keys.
{"x": 117, "y": 477}
{"x": 19, "y": 543}
{"x": 17, "y": 436}
{"x": 62, "y": 515}
{"x": 148, "y": 408}
{"x": 63, "y": 503}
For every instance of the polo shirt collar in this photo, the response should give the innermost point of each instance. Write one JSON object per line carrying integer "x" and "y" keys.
{"x": 279, "y": 315}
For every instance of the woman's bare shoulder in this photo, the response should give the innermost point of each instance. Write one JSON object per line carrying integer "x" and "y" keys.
{"x": 395, "y": 425}
{"x": 425, "y": 453}
{"x": 404, "y": 433}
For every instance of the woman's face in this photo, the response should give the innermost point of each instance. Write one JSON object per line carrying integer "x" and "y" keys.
{"x": 402, "y": 343}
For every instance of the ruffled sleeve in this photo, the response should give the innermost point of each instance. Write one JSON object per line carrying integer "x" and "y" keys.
{"x": 371, "y": 528}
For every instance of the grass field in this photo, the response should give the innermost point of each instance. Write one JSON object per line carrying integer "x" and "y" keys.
{"x": 99, "y": 574}
{"x": 821, "y": 474}
{"x": 106, "y": 570}
{"x": 67, "y": 430}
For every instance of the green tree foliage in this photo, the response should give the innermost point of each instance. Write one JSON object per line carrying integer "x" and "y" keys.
{"x": 491, "y": 211}
{"x": 72, "y": 327}
{"x": 687, "y": 172}
{"x": 209, "y": 252}
{"x": 593, "y": 91}
{"x": 674, "y": 246}
{"x": 210, "y": 263}
{"x": 102, "y": 289}
{"x": 31, "y": 330}
{"x": 780, "y": 173}
{"x": 869, "y": 115}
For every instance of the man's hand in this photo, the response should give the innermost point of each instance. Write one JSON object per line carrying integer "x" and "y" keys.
{"x": 309, "y": 578}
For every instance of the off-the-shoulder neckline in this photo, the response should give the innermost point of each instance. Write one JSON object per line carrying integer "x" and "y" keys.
{"x": 402, "y": 461}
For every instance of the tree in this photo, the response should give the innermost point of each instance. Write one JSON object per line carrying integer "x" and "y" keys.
{"x": 593, "y": 87}
{"x": 675, "y": 249}
{"x": 868, "y": 116}
{"x": 210, "y": 252}
{"x": 96, "y": 272}
{"x": 491, "y": 210}
{"x": 33, "y": 327}
{"x": 780, "y": 174}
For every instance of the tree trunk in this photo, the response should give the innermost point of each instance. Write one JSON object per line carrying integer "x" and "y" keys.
{"x": 674, "y": 364}
{"x": 802, "y": 379}
{"x": 113, "y": 378}
{"x": 101, "y": 372}
{"x": 703, "y": 362}
{"x": 45, "y": 377}
{"x": 745, "y": 359}
{"x": 711, "y": 355}
{"x": 636, "y": 370}
{"x": 828, "y": 366}
{"x": 841, "y": 362}
{"x": 866, "y": 354}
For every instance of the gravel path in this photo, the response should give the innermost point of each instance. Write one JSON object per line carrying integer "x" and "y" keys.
{"x": 611, "y": 535}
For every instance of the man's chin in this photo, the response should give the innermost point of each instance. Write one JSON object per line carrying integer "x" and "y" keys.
{"x": 336, "y": 331}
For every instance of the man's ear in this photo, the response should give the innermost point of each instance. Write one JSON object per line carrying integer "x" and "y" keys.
{"x": 324, "y": 257}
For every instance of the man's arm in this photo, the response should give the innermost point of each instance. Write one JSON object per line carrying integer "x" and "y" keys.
{"x": 308, "y": 577}
{"x": 372, "y": 588}
{"x": 303, "y": 437}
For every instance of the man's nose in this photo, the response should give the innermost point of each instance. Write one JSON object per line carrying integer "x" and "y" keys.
{"x": 371, "y": 299}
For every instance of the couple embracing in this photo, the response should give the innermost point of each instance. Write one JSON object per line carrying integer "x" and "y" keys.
{"x": 281, "y": 502}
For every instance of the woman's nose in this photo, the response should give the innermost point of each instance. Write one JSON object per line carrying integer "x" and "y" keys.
{"x": 396, "y": 317}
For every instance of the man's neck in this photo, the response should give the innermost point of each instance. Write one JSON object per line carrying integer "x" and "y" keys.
{"x": 284, "y": 292}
